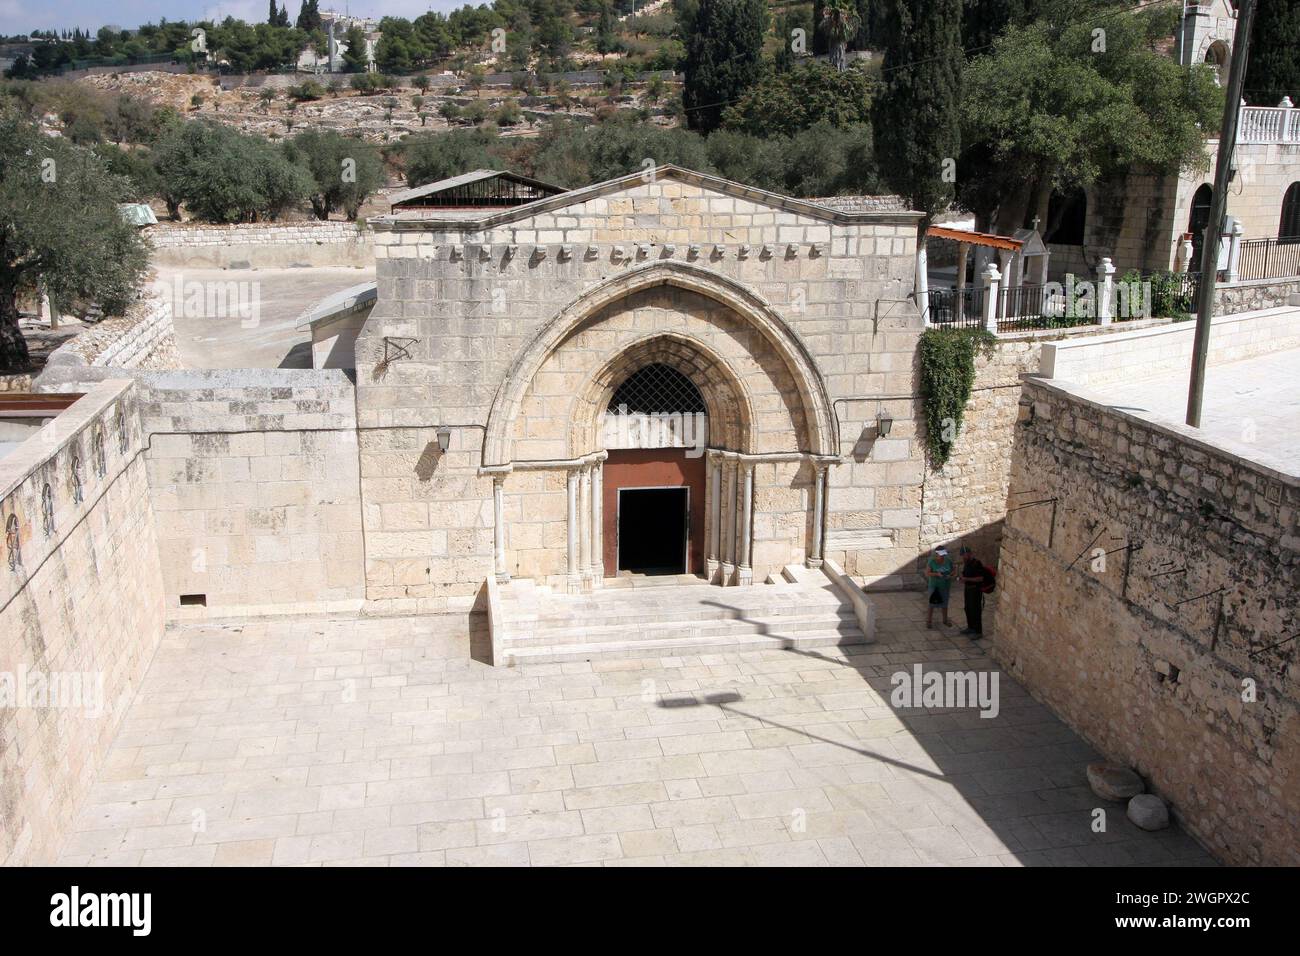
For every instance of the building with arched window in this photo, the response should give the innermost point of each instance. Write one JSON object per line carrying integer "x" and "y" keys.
{"x": 663, "y": 373}
{"x": 1155, "y": 222}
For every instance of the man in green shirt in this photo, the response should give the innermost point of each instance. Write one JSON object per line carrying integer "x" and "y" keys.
{"x": 938, "y": 573}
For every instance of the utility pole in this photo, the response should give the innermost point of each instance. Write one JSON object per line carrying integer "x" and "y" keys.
{"x": 1218, "y": 209}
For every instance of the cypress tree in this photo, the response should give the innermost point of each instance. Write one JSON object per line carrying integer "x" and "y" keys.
{"x": 724, "y": 58}
{"x": 1273, "y": 66}
{"x": 916, "y": 117}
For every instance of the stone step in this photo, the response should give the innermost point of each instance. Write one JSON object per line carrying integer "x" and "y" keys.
{"x": 546, "y": 616}
{"x": 521, "y": 635}
{"x": 686, "y": 617}
{"x": 680, "y": 646}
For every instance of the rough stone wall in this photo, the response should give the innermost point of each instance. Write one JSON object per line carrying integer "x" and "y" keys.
{"x": 143, "y": 338}
{"x": 1253, "y": 296}
{"x": 254, "y": 476}
{"x": 260, "y": 245}
{"x": 20, "y": 382}
{"x": 459, "y": 307}
{"x": 1153, "y": 654}
{"x": 82, "y": 601}
{"x": 966, "y": 500}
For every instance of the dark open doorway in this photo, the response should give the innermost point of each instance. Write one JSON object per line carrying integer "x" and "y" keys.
{"x": 652, "y": 530}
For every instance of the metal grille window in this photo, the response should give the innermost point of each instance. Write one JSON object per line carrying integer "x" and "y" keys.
{"x": 122, "y": 437}
{"x": 12, "y": 543}
{"x": 101, "y": 462}
{"x": 47, "y": 510}
{"x": 76, "y": 479}
{"x": 655, "y": 390}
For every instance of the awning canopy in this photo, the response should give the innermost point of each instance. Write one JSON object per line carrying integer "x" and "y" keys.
{"x": 975, "y": 238}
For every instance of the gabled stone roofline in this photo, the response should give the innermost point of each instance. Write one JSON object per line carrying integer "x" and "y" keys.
{"x": 398, "y": 223}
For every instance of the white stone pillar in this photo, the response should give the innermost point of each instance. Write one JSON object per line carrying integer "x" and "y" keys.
{"x": 819, "y": 513}
{"x": 1185, "y": 251}
{"x": 745, "y": 574}
{"x": 990, "y": 280}
{"x": 1105, "y": 291}
{"x": 572, "y": 479}
{"x": 584, "y": 520}
{"x": 713, "y": 517}
{"x": 922, "y": 285}
{"x": 1234, "y": 252}
{"x": 499, "y": 529}
{"x": 597, "y": 521}
{"x": 1004, "y": 272}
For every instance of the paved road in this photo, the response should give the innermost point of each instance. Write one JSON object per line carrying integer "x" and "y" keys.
{"x": 1253, "y": 402}
{"x": 246, "y": 319}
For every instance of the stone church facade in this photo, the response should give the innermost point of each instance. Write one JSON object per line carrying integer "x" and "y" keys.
{"x": 782, "y": 329}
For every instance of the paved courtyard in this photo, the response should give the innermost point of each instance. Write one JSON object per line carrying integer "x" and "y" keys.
{"x": 379, "y": 741}
{"x": 1253, "y": 402}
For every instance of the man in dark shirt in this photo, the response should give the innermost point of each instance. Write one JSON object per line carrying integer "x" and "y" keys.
{"x": 973, "y": 577}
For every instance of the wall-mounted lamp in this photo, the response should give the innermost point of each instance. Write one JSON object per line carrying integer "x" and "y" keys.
{"x": 884, "y": 422}
{"x": 444, "y": 438}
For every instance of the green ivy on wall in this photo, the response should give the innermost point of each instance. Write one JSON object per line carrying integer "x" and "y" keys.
{"x": 947, "y": 376}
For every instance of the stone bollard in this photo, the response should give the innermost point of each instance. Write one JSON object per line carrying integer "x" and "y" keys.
{"x": 1106, "y": 291}
{"x": 991, "y": 279}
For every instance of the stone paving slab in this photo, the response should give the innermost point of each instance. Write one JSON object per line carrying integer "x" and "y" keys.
{"x": 380, "y": 741}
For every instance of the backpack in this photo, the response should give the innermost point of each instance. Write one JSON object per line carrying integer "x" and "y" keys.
{"x": 990, "y": 581}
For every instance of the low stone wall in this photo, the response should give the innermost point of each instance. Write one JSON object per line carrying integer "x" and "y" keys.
{"x": 81, "y": 611}
{"x": 1256, "y": 294}
{"x": 18, "y": 382}
{"x": 261, "y": 245}
{"x": 255, "y": 485}
{"x": 1148, "y": 600}
{"x": 1157, "y": 350}
{"x": 143, "y": 338}
{"x": 256, "y": 490}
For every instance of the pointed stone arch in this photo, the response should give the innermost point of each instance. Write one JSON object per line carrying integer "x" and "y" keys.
{"x": 820, "y": 435}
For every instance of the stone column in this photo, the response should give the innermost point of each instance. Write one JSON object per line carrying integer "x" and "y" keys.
{"x": 712, "y": 517}
{"x": 572, "y": 479}
{"x": 584, "y": 520}
{"x": 745, "y": 574}
{"x": 1105, "y": 291}
{"x": 1185, "y": 254}
{"x": 728, "y": 502}
{"x": 499, "y": 529}
{"x": 597, "y": 521}
{"x": 990, "y": 280}
{"x": 819, "y": 514}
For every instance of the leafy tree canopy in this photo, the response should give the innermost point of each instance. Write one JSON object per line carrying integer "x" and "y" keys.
{"x": 60, "y": 225}
{"x": 1056, "y": 106}
{"x": 785, "y": 103}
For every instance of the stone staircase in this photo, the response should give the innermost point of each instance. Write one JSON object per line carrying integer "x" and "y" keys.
{"x": 669, "y": 616}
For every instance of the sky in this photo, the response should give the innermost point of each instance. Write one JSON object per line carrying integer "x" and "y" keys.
{"x": 21, "y": 16}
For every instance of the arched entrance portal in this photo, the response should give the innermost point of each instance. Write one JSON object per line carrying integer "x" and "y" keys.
{"x": 689, "y": 426}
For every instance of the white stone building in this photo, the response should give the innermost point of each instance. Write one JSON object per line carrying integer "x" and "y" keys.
{"x": 1143, "y": 221}
{"x": 778, "y": 331}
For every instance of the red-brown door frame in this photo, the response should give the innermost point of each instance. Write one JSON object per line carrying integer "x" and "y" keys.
{"x": 653, "y": 468}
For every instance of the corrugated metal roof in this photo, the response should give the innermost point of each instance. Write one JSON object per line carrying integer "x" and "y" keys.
{"x": 464, "y": 179}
